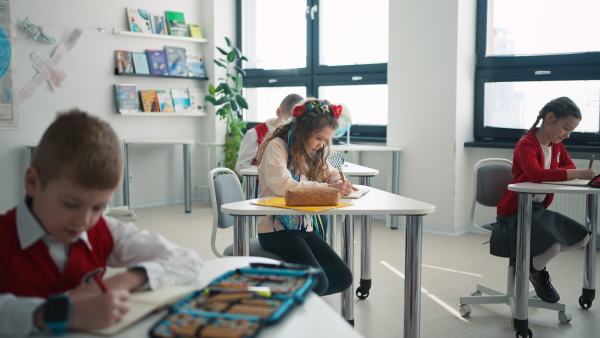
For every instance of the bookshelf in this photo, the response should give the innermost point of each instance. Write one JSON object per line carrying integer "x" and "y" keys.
{"x": 119, "y": 31}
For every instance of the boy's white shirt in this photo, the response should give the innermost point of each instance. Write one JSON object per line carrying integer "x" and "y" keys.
{"x": 249, "y": 147}
{"x": 276, "y": 179}
{"x": 165, "y": 263}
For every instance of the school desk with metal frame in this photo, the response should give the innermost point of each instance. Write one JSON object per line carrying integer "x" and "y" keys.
{"x": 526, "y": 191}
{"x": 364, "y": 175}
{"x": 314, "y": 318}
{"x": 376, "y": 202}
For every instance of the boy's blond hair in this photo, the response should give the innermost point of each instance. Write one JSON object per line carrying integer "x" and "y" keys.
{"x": 81, "y": 148}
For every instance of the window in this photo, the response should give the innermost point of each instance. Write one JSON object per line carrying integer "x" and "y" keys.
{"x": 331, "y": 49}
{"x": 530, "y": 52}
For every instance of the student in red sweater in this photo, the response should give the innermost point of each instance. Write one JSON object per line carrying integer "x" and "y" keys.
{"x": 56, "y": 238}
{"x": 541, "y": 156}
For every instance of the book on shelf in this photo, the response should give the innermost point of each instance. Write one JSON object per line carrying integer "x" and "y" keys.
{"x": 176, "y": 60}
{"x": 158, "y": 24}
{"x": 195, "y": 65}
{"x": 197, "y": 102}
{"x": 127, "y": 98}
{"x": 164, "y": 101}
{"x": 140, "y": 63}
{"x": 124, "y": 62}
{"x": 176, "y": 23}
{"x": 181, "y": 100}
{"x": 139, "y": 20}
{"x": 143, "y": 303}
{"x": 149, "y": 101}
{"x": 195, "y": 31}
{"x": 157, "y": 62}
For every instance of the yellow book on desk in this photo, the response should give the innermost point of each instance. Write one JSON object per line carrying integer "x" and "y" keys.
{"x": 575, "y": 181}
{"x": 143, "y": 303}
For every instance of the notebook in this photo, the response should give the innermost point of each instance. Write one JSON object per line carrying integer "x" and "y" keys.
{"x": 362, "y": 189}
{"x": 575, "y": 181}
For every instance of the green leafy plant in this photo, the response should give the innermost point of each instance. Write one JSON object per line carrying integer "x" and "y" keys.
{"x": 227, "y": 96}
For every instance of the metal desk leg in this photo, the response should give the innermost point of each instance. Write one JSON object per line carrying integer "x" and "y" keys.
{"x": 589, "y": 271}
{"x": 362, "y": 291}
{"x": 331, "y": 220}
{"x": 126, "y": 178}
{"x": 240, "y": 237}
{"x": 521, "y": 321}
{"x": 395, "y": 184}
{"x": 187, "y": 178}
{"x": 250, "y": 193}
{"x": 412, "y": 282}
{"x": 348, "y": 258}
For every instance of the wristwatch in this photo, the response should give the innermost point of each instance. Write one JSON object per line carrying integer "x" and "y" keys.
{"x": 57, "y": 313}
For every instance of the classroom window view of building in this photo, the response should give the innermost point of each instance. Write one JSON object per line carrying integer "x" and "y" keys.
{"x": 529, "y": 52}
{"x": 317, "y": 48}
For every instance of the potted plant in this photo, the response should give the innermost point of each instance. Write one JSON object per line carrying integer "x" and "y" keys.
{"x": 227, "y": 96}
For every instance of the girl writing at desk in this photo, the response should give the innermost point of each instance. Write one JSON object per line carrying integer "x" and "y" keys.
{"x": 541, "y": 156}
{"x": 295, "y": 156}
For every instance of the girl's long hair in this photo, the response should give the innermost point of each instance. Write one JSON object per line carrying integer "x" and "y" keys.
{"x": 312, "y": 165}
{"x": 562, "y": 107}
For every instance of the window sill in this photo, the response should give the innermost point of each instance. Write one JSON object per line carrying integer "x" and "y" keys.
{"x": 511, "y": 145}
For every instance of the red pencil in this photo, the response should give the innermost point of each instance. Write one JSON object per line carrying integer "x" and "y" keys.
{"x": 101, "y": 283}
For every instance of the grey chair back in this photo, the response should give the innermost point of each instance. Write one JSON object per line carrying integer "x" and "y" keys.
{"x": 227, "y": 190}
{"x": 492, "y": 180}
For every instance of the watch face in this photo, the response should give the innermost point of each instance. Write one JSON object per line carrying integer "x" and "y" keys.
{"x": 57, "y": 309}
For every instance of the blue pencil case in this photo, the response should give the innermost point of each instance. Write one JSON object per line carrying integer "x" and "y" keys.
{"x": 206, "y": 324}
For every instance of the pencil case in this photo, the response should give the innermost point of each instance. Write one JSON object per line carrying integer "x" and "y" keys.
{"x": 206, "y": 324}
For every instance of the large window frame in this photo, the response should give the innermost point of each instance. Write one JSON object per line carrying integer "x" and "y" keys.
{"x": 315, "y": 75}
{"x": 575, "y": 66}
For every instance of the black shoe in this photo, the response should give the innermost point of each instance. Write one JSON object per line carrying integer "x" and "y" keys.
{"x": 543, "y": 287}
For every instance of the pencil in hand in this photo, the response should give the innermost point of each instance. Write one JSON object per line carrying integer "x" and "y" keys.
{"x": 591, "y": 161}
{"x": 342, "y": 174}
{"x": 101, "y": 283}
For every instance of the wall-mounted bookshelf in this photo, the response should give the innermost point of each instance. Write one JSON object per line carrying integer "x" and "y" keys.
{"x": 162, "y": 114}
{"x": 119, "y": 31}
{"x": 161, "y": 76}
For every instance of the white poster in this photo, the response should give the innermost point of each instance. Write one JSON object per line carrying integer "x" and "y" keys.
{"x": 9, "y": 114}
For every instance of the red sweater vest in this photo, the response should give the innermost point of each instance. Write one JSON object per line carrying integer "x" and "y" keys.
{"x": 261, "y": 132}
{"x": 33, "y": 273}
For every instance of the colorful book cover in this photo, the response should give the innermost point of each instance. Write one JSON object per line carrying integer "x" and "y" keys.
{"x": 140, "y": 63}
{"x": 164, "y": 101}
{"x": 139, "y": 20}
{"x": 195, "y": 65}
{"x": 124, "y": 62}
{"x": 197, "y": 102}
{"x": 176, "y": 23}
{"x": 157, "y": 61}
{"x": 176, "y": 59}
{"x": 149, "y": 101}
{"x": 158, "y": 24}
{"x": 127, "y": 98}
{"x": 195, "y": 31}
{"x": 181, "y": 100}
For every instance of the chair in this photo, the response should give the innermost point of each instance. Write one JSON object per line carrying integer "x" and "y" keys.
{"x": 225, "y": 188}
{"x": 491, "y": 177}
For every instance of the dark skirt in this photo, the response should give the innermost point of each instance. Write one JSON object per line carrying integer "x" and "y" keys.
{"x": 547, "y": 228}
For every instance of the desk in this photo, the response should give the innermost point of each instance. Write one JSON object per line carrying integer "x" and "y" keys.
{"x": 395, "y": 165}
{"x": 376, "y": 202}
{"x": 314, "y": 318}
{"x": 352, "y": 170}
{"x": 187, "y": 181}
{"x": 526, "y": 191}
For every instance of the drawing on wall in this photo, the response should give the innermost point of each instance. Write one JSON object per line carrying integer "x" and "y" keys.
{"x": 37, "y": 32}
{"x": 9, "y": 114}
{"x": 47, "y": 66}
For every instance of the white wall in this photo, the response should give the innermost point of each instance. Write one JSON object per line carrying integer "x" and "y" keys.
{"x": 157, "y": 170}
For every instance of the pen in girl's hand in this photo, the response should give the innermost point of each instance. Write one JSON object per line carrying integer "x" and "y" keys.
{"x": 592, "y": 161}
{"x": 342, "y": 174}
{"x": 101, "y": 283}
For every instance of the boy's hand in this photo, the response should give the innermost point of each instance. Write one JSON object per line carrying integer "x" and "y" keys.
{"x": 98, "y": 310}
{"x": 345, "y": 188}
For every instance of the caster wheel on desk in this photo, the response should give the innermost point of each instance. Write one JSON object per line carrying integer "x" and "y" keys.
{"x": 585, "y": 304}
{"x": 476, "y": 293}
{"x": 464, "y": 310}
{"x": 564, "y": 317}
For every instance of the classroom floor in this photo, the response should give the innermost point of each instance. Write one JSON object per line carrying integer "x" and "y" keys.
{"x": 452, "y": 265}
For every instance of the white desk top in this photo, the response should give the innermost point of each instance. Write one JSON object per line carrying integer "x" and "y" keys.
{"x": 314, "y": 318}
{"x": 363, "y": 147}
{"x": 159, "y": 141}
{"x": 349, "y": 169}
{"x": 542, "y": 188}
{"x": 375, "y": 202}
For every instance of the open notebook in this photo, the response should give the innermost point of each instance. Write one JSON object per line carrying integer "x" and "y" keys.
{"x": 143, "y": 303}
{"x": 576, "y": 181}
{"x": 362, "y": 189}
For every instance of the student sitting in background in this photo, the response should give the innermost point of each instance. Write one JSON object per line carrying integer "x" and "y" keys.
{"x": 254, "y": 137}
{"x": 57, "y": 237}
